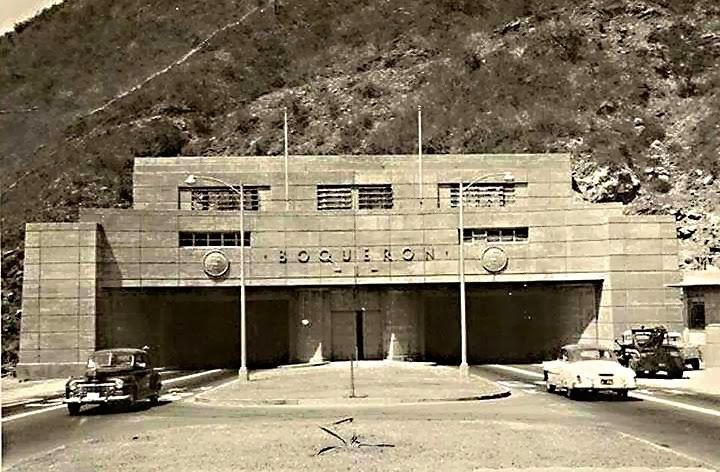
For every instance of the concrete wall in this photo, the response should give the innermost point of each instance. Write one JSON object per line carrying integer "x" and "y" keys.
{"x": 712, "y": 305}
{"x": 59, "y": 299}
{"x": 156, "y": 180}
{"x": 642, "y": 260}
{"x": 414, "y": 244}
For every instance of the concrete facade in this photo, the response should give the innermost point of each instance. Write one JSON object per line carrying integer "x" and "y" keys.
{"x": 701, "y": 312}
{"x": 575, "y": 271}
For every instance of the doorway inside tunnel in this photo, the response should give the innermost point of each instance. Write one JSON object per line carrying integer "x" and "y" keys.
{"x": 510, "y": 323}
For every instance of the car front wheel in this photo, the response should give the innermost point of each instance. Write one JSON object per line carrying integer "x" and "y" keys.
{"x": 73, "y": 409}
{"x": 695, "y": 364}
{"x": 622, "y": 394}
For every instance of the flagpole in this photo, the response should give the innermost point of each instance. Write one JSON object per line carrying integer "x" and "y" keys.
{"x": 420, "y": 162}
{"x": 287, "y": 191}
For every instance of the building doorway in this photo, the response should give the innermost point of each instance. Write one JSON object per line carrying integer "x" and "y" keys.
{"x": 357, "y": 333}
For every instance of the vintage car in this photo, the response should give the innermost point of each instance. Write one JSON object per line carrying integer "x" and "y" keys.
{"x": 690, "y": 354}
{"x": 114, "y": 376}
{"x": 587, "y": 368}
{"x": 647, "y": 352}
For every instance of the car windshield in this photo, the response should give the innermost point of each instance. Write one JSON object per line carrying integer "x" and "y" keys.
{"x": 590, "y": 354}
{"x": 110, "y": 359}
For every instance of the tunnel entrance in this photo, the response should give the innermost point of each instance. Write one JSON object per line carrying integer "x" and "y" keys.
{"x": 510, "y": 323}
{"x": 194, "y": 328}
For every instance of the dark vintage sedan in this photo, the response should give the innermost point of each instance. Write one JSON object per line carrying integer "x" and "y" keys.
{"x": 114, "y": 376}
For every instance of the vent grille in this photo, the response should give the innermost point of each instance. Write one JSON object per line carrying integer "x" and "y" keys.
{"x": 481, "y": 194}
{"x": 222, "y": 198}
{"x": 375, "y": 197}
{"x": 334, "y": 197}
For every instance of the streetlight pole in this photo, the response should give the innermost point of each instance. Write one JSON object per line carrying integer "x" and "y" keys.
{"x": 191, "y": 180}
{"x": 464, "y": 367}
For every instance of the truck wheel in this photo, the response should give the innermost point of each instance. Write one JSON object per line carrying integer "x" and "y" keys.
{"x": 549, "y": 387}
{"x": 695, "y": 364}
{"x": 73, "y": 409}
{"x": 571, "y": 393}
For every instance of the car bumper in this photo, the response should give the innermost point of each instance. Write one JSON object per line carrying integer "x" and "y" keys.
{"x": 98, "y": 401}
{"x": 597, "y": 387}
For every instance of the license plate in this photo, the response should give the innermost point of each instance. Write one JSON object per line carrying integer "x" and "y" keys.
{"x": 92, "y": 396}
{"x": 606, "y": 382}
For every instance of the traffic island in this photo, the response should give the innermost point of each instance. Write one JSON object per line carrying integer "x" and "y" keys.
{"x": 443, "y": 439}
{"x": 369, "y": 382}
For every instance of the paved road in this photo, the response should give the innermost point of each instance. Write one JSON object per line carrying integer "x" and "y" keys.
{"x": 530, "y": 428}
{"x": 46, "y": 425}
{"x": 669, "y": 418}
{"x": 24, "y": 406}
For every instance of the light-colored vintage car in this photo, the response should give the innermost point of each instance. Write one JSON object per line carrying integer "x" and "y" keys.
{"x": 587, "y": 368}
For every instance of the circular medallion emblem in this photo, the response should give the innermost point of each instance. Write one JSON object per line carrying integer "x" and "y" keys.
{"x": 494, "y": 259}
{"x": 215, "y": 264}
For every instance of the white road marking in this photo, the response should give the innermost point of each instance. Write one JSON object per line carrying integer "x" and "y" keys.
{"x": 30, "y": 413}
{"x": 666, "y": 449}
{"x": 682, "y": 406}
{"x": 191, "y": 376}
{"x": 528, "y": 373}
{"x": 636, "y": 394}
{"x": 55, "y": 407}
{"x": 218, "y": 387}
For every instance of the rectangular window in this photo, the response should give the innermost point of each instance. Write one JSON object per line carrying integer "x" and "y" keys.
{"x": 222, "y": 198}
{"x": 493, "y": 235}
{"x": 212, "y": 239}
{"x": 349, "y": 197}
{"x": 696, "y": 313}
{"x": 479, "y": 194}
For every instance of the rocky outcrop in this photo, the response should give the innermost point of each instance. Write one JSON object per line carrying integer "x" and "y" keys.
{"x": 604, "y": 184}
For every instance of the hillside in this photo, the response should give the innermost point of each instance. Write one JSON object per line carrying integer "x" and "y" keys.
{"x": 630, "y": 88}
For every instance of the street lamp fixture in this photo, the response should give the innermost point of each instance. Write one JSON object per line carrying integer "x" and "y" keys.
{"x": 192, "y": 180}
{"x": 507, "y": 177}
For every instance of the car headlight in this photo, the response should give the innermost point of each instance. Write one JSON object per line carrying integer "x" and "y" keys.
{"x": 118, "y": 383}
{"x": 72, "y": 385}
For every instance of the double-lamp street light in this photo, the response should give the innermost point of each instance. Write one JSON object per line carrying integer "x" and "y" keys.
{"x": 192, "y": 180}
{"x": 507, "y": 177}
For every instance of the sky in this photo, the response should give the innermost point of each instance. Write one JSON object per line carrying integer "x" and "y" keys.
{"x": 14, "y": 11}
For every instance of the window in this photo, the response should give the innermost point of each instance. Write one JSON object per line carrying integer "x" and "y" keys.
{"x": 348, "y": 197}
{"x": 479, "y": 194}
{"x": 493, "y": 235}
{"x": 213, "y": 239}
{"x": 696, "y": 313}
{"x": 222, "y": 198}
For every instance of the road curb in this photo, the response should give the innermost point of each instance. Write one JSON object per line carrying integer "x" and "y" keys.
{"x": 247, "y": 402}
